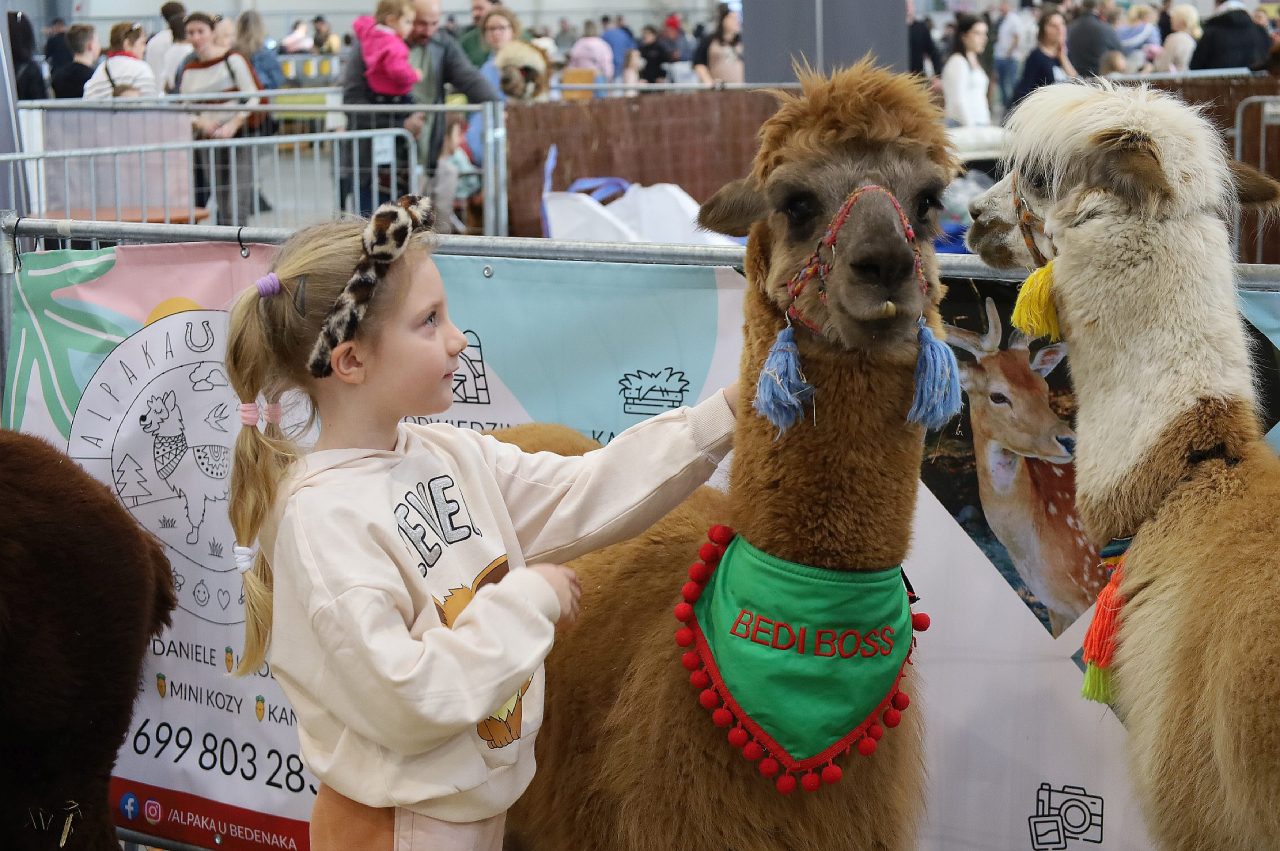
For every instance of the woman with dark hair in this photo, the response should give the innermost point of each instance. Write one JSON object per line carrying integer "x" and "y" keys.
{"x": 28, "y": 77}
{"x": 1048, "y": 62}
{"x": 964, "y": 83}
{"x": 718, "y": 58}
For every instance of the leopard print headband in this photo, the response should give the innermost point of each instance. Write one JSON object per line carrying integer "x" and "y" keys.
{"x": 385, "y": 239}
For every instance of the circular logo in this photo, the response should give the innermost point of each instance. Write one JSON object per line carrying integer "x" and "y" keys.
{"x": 129, "y": 806}
{"x": 157, "y": 423}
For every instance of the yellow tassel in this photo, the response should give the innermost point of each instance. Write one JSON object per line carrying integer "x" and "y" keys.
{"x": 1034, "y": 313}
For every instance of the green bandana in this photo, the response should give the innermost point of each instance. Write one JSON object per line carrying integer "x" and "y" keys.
{"x": 805, "y": 660}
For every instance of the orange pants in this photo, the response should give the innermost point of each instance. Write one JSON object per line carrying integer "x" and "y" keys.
{"x": 340, "y": 824}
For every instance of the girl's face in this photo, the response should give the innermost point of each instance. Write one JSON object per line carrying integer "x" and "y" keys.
{"x": 403, "y": 24}
{"x": 497, "y": 32}
{"x": 412, "y": 362}
{"x": 200, "y": 36}
{"x": 732, "y": 24}
{"x": 975, "y": 40}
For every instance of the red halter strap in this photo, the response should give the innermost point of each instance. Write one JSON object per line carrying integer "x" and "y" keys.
{"x": 1029, "y": 224}
{"x": 819, "y": 268}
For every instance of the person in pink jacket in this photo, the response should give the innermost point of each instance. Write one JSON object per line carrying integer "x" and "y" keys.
{"x": 386, "y": 55}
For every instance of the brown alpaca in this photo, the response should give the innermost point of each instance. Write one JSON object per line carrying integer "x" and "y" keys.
{"x": 628, "y": 759}
{"x": 1135, "y": 190}
{"x": 82, "y": 589}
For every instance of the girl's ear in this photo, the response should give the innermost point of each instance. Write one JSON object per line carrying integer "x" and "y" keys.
{"x": 347, "y": 362}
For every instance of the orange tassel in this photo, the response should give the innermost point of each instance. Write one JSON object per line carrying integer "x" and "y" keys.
{"x": 1100, "y": 640}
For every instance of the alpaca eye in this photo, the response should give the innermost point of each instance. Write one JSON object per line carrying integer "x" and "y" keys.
{"x": 800, "y": 209}
{"x": 1037, "y": 182}
{"x": 999, "y": 399}
{"x": 927, "y": 203}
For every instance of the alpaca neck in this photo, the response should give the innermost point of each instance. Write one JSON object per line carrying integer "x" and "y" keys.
{"x": 1159, "y": 360}
{"x": 838, "y": 488}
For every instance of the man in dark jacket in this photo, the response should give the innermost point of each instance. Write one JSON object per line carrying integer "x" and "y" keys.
{"x": 1231, "y": 39}
{"x": 440, "y": 60}
{"x": 920, "y": 44}
{"x": 1088, "y": 38}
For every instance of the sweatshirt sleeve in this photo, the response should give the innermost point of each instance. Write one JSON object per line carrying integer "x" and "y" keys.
{"x": 563, "y": 507}
{"x": 412, "y": 694}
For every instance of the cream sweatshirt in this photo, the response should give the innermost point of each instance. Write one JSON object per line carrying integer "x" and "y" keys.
{"x": 408, "y": 635}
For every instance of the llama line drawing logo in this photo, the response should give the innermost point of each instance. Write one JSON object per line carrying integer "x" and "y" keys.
{"x": 647, "y": 393}
{"x": 156, "y": 422}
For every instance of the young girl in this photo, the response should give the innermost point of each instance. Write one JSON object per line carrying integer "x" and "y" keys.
{"x": 387, "y": 69}
{"x": 403, "y": 580}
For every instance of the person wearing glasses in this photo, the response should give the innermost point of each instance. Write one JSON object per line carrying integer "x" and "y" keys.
{"x": 124, "y": 68}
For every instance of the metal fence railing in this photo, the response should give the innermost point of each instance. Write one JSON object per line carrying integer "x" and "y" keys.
{"x": 283, "y": 180}
{"x": 52, "y": 128}
{"x": 1252, "y": 148}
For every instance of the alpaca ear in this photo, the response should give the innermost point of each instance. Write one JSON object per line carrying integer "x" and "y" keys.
{"x": 1127, "y": 165}
{"x": 1253, "y": 188}
{"x": 733, "y": 209}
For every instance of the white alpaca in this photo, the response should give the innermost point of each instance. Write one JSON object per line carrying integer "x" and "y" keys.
{"x": 189, "y": 467}
{"x": 1134, "y": 190}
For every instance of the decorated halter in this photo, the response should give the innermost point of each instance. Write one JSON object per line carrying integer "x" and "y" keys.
{"x": 840, "y": 641}
{"x": 782, "y": 389}
{"x": 1034, "y": 313}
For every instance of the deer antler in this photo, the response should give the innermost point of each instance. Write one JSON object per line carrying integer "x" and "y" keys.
{"x": 978, "y": 345}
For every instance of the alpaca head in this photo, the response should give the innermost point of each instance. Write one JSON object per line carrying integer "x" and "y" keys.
{"x": 1084, "y": 151}
{"x": 159, "y": 409}
{"x": 862, "y": 126}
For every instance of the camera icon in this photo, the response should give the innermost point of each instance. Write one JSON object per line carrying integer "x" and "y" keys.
{"x": 1065, "y": 813}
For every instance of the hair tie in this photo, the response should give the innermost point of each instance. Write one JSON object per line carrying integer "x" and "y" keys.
{"x": 244, "y": 557}
{"x": 268, "y": 285}
{"x": 250, "y": 412}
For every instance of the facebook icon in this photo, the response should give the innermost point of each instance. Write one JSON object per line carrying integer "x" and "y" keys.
{"x": 129, "y": 805}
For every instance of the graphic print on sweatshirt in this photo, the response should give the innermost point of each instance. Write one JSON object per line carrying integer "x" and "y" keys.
{"x": 503, "y": 726}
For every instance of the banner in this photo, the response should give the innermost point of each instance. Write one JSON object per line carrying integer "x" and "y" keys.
{"x": 117, "y": 356}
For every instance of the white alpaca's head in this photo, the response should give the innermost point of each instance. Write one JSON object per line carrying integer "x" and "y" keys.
{"x": 1083, "y": 150}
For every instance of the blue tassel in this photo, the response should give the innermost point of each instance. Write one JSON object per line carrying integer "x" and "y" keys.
{"x": 937, "y": 397}
{"x": 782, "y": 390}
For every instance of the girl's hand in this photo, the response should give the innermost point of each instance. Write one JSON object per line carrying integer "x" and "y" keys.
{"x": 206, "y": 127}
{"x": 731, "y": 396}
{"x": 226, "y": 131}
{"x": 565, "y": 583}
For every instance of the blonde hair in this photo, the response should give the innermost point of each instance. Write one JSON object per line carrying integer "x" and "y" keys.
{"x": 1144, "y": 13}
{"x": 392, "y": 9}
{"x": 251, "y": 33}
{"x": 1189, "y": 16}
{"x": 269, "y": 342}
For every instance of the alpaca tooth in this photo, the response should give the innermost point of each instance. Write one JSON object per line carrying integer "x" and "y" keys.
{"x": 888, "y": 310}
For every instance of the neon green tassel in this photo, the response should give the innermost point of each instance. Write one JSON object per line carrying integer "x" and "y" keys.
{"x": 1097, "y": 684}
{"x": 1034, "y": 313}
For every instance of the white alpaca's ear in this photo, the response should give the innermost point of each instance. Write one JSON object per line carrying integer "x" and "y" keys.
{"x": 733, "y": 209}
{"x": 1253, "y": 188}
{"x": 1126, "y": 165}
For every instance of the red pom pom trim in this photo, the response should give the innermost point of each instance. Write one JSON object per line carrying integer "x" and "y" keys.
{"x": 867, "y": 746}
{"x": 722, "y": 717}
{"x": 739, "y": 737}
{"x": 691, "y": 592}
{"x": 700, "y": 679}
{"x": 684, "y": 636}
{"x": 875, "y": 731}
{"x": 753, "y": 751}
{"x": 786, "y": 784}
{"x": 684, "y": 612}
{"x": 709, "y": 699}
{"x": 901, "y": 701}
{"x": 831, "y": 774}
{"x": 710, "y": 553}
{"x": 811, "y": 782}
{"x": 920, "y": 622}
{"x": 892, "y": 717}
{"x": 721, "y": 535}
{"x": 699, "y": 572}
{"x": 768, "y": 766}
{"x": 691, "y": 661}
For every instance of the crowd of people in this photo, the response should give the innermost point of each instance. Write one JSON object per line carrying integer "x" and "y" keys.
{"x": 985, "y": 63}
